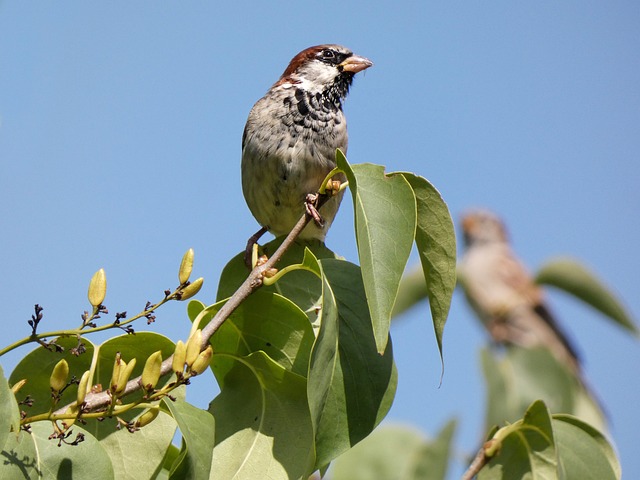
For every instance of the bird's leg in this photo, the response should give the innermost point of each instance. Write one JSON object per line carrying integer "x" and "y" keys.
{"x": 311, "y": 207}
{"x": 252, "y": 244}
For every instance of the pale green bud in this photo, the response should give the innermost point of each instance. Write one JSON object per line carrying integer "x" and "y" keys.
{"x": 179, "y": 357}
{"x": 186, "y": 266}
{"x": 203, "y": 361}
{"x": 193, "y": 347}
{"x": 58, "y": 379}
{"x": 147, "y": 417}
{"x": 97, "y": 288}
{"x": 192, "y": 289}
{"x": 151, "y": 372}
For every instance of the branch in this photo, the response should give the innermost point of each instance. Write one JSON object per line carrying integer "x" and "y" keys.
{"x": 478, "y": 462}
{"x": 97, "y": 401}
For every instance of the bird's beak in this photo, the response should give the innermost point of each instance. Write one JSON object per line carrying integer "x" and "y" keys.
{"x": 355, "y": 64}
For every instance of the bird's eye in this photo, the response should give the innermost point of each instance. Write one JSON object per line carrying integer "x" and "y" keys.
{"x": 328, "y": 54}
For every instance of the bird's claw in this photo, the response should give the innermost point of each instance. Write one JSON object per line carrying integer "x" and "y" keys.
{"x": 310, "y": 207}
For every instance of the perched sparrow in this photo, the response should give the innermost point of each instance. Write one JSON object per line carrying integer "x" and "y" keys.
{"x": 503, "y": 294}
{"x": 291, "y": 136}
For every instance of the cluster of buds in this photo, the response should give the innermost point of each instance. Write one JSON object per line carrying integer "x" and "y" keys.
{"x": 191, "y": 356}
{"x": 120, "y": 375}
{"x": 187, "y": 289}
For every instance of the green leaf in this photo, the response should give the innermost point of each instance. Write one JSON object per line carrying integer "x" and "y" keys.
{"x": 412, "y": 291}
{"x": 9, "y": 411}
{"x": 300, "y": 287}
{"x": 20, "y": 457}
{"x": 350, "y": 387}
{"x": 584, "y": 452}
{"x": 262, "y": 423}
{"x": 37, "y": 366}
{"x": 396, "y": 452}
{"x": 144, "y": 449}
{"x": 572, "y": 277}
{"x": 433, "y": 458}
{"x": 35, "y": 456}
{"x": 197, "y": 427}
{"x": 385, "y": 220}
{"x": 436, "y": 243}
{"x": 520, "y": 376}
{"x": 264, "y": 322}
{"x": 527, "y": 448}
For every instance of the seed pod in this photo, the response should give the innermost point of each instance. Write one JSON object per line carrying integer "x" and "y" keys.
{"x": 97, "y": 288}
{"x": 147, "y": 417}
{"x": 125, "y": 374}
{"x": 186, "y": 266}
{"x": 58, "y": 379}
{"x": 192, "y": 289}
{"x": 82, "y": 387}
{"x": 194, "y": 344}
{"x": 18, "y": 385}
{"x": 202, "y": 362}
{"x": 151, "y": 372}
{"x": 115, "y": 375}
{"x": 179, "y": 357}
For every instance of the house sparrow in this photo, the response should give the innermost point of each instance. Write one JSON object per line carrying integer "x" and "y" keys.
{"x": 291, "y": 136}
{"x": 503, "y": 294}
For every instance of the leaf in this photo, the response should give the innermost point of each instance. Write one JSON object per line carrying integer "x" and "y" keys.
{"x": 412, "y": 291}
{"x": 522, "y": 375}
{"x": 264, "y": 322}
{"x": 35, "y": 456}
{"x": 37, "y": 366}
{"x": 396, "y": 452}
{"x": 9, "y": 411}
{"x": 385, "y": 220}
{"x": 299, "y": 287}
{"x": 527, "y": 448}
{"x": 197, "y": 427}
{"x": 145, "y": 448}
{"x": 433, "y": 458}
{"x": 572, "y": 277}
{"x": 350, "y": 387}
{"x": 263, "y": 428}
{"x": 584, "y": 452}
{"x": 436, "y": 243}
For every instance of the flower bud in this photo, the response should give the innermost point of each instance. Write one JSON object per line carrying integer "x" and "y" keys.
{"x": 125, "y": 374}
{"x": 202, "y": 362}
{"x": 179, "y": 357}
{"x": 186, "y": 266}
{"x": 151, "y": 372}
{"x": 192, "y": 289}
{"x": 115, "y": 375}
{"x": 97, "y": 288}
{"x": 194, "y": 344}
{"x": 82, "y": 387}
{"x": 147, "y": 417}
{"x": 58, "y": 379}
{"x": 18, "y": 385}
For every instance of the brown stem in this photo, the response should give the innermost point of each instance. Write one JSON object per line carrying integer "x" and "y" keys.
{"x": 478, "y": 462}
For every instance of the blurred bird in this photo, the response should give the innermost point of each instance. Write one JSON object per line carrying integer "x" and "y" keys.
{"x": 504, "y": 295}
{"x": 291, "y": 136}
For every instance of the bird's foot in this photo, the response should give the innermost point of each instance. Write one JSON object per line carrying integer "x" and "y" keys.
{"x": 310, "y": 205}
{"x": 252, "y": 245}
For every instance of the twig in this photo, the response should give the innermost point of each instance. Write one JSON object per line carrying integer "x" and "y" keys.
{"x": 478, "y": 462}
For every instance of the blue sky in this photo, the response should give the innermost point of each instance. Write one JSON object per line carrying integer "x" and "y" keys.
{"x": 120, "y": 132}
